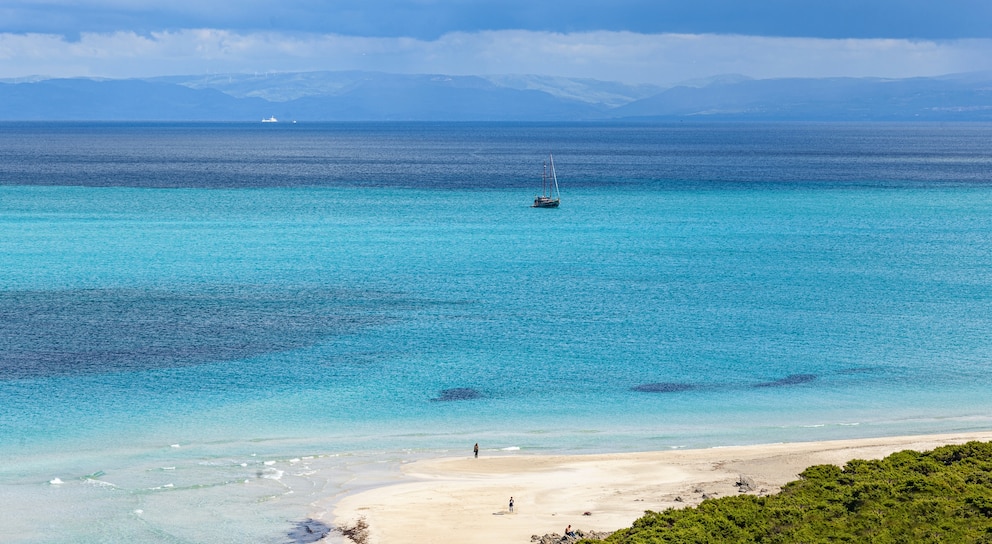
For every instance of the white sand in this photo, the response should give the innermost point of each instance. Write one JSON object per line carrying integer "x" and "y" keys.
{"x": 465, "y": 499}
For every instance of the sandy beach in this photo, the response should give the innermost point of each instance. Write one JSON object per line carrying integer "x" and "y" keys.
{"x": 605, "y": 492}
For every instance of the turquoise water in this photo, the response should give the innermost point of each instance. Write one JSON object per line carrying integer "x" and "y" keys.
{"x": 192, "y": 361}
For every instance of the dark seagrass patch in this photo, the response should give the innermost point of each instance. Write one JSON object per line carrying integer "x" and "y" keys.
{"x": 457, "y": 393}
{"x": 309, "y": 530}
{"x": 791, "y": 379}
{"x": 663, "y": 387}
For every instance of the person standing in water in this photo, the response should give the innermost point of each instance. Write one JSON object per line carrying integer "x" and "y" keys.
{"x": 476, "y": 450}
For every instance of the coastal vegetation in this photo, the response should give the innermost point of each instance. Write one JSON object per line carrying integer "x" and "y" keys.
{"x": 944, "y": 495}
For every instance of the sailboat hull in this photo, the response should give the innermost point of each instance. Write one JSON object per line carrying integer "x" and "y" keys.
{"x": 545, "y": 202}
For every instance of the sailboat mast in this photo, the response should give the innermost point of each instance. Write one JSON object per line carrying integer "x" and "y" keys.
{"x": 554, "y": 177}
{"x": 544, "y": 180}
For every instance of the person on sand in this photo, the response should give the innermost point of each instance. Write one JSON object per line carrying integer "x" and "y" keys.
{"x": 569, "y": 531}
{"x": 511, "y": 504}
{"x": 476, "y": 450}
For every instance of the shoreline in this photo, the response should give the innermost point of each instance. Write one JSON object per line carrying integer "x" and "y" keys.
{"x": 591, "y": 492}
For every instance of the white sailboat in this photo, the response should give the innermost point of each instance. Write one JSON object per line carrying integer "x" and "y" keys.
{"x": 550, "y": 197}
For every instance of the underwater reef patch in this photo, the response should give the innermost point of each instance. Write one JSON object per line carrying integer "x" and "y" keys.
{"x": 309, "y": 530}
{"x": 791, "y": 379}
{"x": 90, "y": 331}
{"x": 457, "y": 393}
{"x": 663, "y": 387}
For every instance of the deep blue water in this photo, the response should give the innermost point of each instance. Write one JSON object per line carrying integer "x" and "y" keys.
{"x": 205, "y": 328}
{"x": 486, "y": 156}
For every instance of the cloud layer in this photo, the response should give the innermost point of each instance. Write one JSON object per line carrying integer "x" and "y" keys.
{"x": 636, "y": 41}
{"x": 631, "y": 57}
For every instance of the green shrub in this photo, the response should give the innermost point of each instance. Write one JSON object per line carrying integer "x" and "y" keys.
{"x": 940, "y": 496}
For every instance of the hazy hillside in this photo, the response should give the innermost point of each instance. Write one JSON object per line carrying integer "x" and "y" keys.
{"x": 435, "y": 98}
{"x": 118, "y": 100}
{"x": 362, "y": 96}
{"x": 964, "y": 97}
{"x": 290, "y": 86}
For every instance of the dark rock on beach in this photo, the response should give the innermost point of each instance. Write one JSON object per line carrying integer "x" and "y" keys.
{"x": 458, "y": 393}
{"x": 555, "y": 538}
{"x": 662, "y": 387}
{"x": 745, "y": 484}
{"x": 792, "y": 379}
{"x": 308, "y": 530}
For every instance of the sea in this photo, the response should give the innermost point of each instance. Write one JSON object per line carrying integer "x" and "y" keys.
{"x": 210, "y": 332}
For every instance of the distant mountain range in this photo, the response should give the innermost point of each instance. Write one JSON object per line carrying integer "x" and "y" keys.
{"x": 374, "y": 96}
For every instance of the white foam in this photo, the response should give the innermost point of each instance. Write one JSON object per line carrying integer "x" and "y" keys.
{"x": 511, "y": 448}
{"x": 269, "y": 463}
{"x": 139, "y": 511}
{"x": 174, "y": 446}
{"x": 273, "y": 474}
{"x": 56, "y": 481}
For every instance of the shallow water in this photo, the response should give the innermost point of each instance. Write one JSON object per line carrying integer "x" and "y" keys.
{"x": 206, "y": 328}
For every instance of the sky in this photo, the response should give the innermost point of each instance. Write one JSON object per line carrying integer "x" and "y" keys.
{"x": 661, "y": 42}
